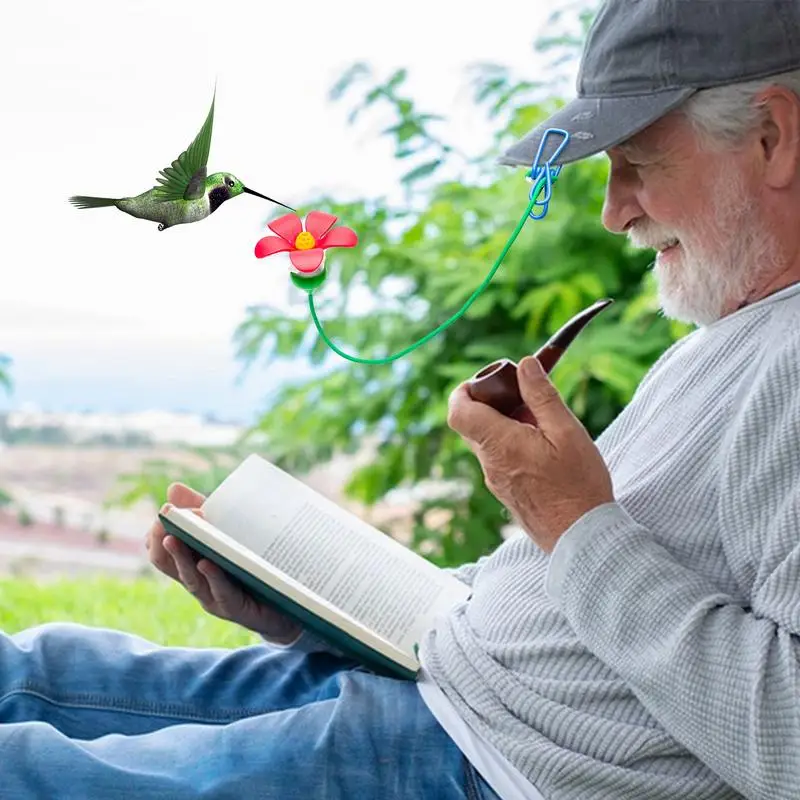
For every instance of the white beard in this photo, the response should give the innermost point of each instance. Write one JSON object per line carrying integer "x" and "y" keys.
{"x": 719, "y": 264}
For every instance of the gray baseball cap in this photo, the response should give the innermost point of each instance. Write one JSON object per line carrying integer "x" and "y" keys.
{"x": 644, "y": 58}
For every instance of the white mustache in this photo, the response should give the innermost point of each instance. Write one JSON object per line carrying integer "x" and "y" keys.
{"x": 650, "y": 236}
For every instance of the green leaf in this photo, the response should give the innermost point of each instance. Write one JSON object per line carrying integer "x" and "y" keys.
{"x": 358, "y": 70}
{"x": 422, "y": 171}
{"x": 5, "y": 376}
{"x": 6, "y": 498}
{"x": 396, "y": 79}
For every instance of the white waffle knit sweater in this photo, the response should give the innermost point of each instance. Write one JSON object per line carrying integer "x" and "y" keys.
{"x": 655, "y": 654}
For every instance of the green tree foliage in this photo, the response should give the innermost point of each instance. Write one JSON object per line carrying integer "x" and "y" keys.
{"x": 209, "y": 467}
{"x": 418, "y": 263}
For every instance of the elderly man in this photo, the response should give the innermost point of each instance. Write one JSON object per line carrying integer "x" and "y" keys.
{"x": 638, "y": 637}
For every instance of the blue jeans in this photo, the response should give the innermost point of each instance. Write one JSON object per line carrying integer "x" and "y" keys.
{"x": 91, "y": 713}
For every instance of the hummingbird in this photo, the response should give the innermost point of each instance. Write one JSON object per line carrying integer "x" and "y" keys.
{"x": 186, "y": 192}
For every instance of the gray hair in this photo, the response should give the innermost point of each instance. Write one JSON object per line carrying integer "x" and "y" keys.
{"x": 724, "y": 115}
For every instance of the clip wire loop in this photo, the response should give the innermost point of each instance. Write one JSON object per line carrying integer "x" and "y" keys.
{"x": 550, "y": 173}
{"x": 543, "y": 177}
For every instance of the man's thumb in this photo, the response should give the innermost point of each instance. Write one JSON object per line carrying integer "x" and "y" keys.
{"x": 539, "y": 394}
{"x": 182, "y": 496}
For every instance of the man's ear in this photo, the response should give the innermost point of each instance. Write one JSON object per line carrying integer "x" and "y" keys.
{"x": 780, "y": 136}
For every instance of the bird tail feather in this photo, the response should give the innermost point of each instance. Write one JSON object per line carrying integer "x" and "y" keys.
{"x": 82, "y": 201}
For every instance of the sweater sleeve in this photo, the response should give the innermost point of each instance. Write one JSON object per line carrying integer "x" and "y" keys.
{"x": 721, "y": 674}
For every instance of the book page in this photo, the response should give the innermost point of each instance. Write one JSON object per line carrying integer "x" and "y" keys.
{"x": 247, "y": 567}
{"x": 338, "y": 556}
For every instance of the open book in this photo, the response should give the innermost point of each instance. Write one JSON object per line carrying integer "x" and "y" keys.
{"x": 354, "y": 586}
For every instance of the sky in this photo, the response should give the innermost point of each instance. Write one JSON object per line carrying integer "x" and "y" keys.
{"x": 100, "y": 309}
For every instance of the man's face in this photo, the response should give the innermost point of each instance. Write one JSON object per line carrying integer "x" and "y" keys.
{"x": 699, "y": 208}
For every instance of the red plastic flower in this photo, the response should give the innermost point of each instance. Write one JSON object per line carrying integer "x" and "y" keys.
{"x": 306, "y": 244}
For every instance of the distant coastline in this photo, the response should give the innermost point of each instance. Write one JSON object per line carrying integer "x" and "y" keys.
{"x": 212, "y": 387}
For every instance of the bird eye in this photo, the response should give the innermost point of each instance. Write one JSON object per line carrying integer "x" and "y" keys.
{"x": 229, "y": 182}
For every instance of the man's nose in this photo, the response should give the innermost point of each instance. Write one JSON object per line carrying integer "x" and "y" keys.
{"x": 620, "y": 207}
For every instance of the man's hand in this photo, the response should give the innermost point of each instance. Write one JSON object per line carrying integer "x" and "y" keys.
{"x": 547, "y": 472}
{"x": 203, "y": 579}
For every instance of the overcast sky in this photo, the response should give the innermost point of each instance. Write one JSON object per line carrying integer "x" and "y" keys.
{"x": 99, "y": 96}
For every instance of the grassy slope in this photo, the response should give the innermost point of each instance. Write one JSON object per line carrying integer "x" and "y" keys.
{"x": 159, "y": 611}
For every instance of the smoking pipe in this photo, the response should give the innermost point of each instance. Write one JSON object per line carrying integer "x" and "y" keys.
{"x": 497, "y": 385}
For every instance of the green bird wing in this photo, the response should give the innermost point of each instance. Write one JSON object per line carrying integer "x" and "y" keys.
{"x": 185, "y": 178}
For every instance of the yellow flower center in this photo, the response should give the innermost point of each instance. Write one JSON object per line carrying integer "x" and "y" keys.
{"x": 304, "y": 241}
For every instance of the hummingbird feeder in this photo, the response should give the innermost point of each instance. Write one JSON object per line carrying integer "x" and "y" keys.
{"x": 305, "y": 241}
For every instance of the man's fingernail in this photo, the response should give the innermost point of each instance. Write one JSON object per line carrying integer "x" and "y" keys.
{"x": 166, "y": 507}
{"x": 530, "y": 366}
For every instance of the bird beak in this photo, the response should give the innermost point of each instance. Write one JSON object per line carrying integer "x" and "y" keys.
{"x": 250, "y": 191}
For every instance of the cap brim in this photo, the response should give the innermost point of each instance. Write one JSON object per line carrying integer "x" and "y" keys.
{"x": 594, "y": 124}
